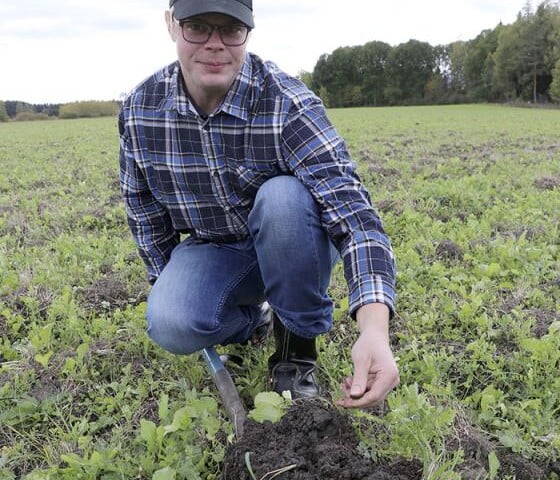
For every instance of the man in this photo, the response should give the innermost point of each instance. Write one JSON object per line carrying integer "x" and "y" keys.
{"x": 241, "y": 157}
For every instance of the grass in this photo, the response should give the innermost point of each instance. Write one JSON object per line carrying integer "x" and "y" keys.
{"x": 470, "y": 196}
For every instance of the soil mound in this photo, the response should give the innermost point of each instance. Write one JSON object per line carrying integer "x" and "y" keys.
{"x": 316, "y": 441}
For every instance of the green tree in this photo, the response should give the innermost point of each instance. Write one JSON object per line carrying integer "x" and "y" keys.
{"x": 409, "y": 68}
{"x": 555, "y": 85}
{"x": 91, "y": 108}
{"x": 527, "y": 51}
{"x": 552, "y": 55}
{"x": 436, "y": 91}
{"x": 3, "y": 114}
{"x": 345, "y": 63}
{"x": 372, "y": 62}
{"x": 537, "y": 35}
{"x": 306, "y": 77}
{"x": 324, "y": 96}
{"x": 322, "y": 77}
{"x": 458, "y": 54}
{"x": 23, "y": 107}
{"x": 509, "y": 61}
{"x": 479, "y": 64}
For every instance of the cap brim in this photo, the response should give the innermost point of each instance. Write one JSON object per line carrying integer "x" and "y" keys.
{"x": 236, "y": 10}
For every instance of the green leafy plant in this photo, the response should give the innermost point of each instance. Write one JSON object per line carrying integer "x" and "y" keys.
{"x": 269, "y": 406}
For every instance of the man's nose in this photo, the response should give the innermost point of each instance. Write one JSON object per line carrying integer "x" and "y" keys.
{"x": 215, "y": 41}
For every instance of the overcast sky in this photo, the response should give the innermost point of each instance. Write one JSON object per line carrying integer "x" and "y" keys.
{"x": 66, "y": 50}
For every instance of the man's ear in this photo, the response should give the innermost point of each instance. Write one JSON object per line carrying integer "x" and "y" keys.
{"x": 170, "y": 25}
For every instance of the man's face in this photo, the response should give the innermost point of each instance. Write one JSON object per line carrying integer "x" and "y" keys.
{"x": 209, "y": 69}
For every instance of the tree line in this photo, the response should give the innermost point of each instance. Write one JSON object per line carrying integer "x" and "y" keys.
{"x": 15, "y": 107}
{"x": 17, "y": 110}
{"x": 516, "y": 62}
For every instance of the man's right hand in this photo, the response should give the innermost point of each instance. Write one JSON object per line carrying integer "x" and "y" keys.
{"x": 375, "y": 370}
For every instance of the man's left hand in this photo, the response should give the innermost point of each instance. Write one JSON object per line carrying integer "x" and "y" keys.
{"x": 375, "y": 369}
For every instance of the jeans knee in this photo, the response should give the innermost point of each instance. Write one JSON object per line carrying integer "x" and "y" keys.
{"x": 281, "y": 195}
{"x": 172, "y": 332}
{"x": 283, "y": 205}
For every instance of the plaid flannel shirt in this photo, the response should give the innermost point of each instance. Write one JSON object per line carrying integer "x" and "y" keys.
{"x": 183, "y": 173}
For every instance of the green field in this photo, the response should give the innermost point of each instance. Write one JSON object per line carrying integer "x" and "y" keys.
{"x": 470, "y": 196}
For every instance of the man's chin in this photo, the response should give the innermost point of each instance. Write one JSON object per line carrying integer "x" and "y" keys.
{"x": 216, "y": 83}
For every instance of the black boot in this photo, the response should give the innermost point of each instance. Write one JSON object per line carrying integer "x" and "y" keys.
{"x": 292, "y": 367}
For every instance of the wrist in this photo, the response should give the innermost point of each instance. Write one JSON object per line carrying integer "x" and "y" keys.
{"x": 373, "y": 318}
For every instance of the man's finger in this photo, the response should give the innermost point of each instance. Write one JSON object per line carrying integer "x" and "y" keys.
{"x": 379, "y": 390}
{"x": 369, "y": 399}
{"x": 347, "y": 384}
{"x": 360, "y": 378}
{"x": 345, "y": 387}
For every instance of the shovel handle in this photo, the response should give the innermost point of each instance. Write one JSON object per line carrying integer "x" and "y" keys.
{"x": 228, "y": 392}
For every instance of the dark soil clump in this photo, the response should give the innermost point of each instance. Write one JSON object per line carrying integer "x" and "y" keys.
{"x": 318, "y": 441}
{"x": 448, "y": 250}
{"x": 522, "y": 468}
{"x": 3, "y": 326}
{"x": 107, "y": 293}
{"x": 476, "y": 446}
{"x": 543, "y": 320}
{"x": 547, "y": 183}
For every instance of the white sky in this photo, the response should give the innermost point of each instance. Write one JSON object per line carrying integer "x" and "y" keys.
{"x": 65, "y": 50}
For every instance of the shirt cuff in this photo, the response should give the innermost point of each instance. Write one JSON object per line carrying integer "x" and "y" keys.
{"x": 372, "y": 289}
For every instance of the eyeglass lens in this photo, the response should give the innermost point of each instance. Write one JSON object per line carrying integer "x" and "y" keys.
{"x": 199, "y": 32}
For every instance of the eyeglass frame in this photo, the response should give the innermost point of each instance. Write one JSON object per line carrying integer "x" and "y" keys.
{"x": 213, "y": 27}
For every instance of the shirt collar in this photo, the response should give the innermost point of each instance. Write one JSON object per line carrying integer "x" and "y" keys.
{"x": 236, "y": 102}
{"x": 176, "y": 98}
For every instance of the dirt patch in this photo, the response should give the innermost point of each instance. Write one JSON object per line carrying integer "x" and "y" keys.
{"x": 6, "y": 209}
{"x": 375, "y": 168}
{"x": 448, "y": 250}
{"x": 381, "y": 171}
{"x": 47, "y": 383}
{"x": 476, "y": 446}
{"x": 521, "y": 468}
{"x": 40, "y": 298}
{"x": 515, "y": 232}
{"x": 555, "y": 282}
{"x": 3, "y": 333}
{"x": 505, "y": 342}
{"x": 318, "y": 441}
{"x": 388, "y": 205}
{"x": 107, "y": 293}
{"x": 543, "y": 320}
{"x": 515, "y": 299}
{"x": 547, "y": 183}
{"x": 16, "y": 224}
{"x": 3, "y": 326}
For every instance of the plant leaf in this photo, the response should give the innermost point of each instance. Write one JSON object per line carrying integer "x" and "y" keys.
{"x": 493, "y": 465}
{"x": 269, "y": 406}
{"x": 166, "y": 473}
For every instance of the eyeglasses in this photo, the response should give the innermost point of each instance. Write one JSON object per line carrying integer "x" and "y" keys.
{"x": 232, "y": 35}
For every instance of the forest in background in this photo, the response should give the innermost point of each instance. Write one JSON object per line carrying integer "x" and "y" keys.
{"x": 516, "y": 62}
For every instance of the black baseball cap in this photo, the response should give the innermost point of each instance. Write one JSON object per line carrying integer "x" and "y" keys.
{"x": 241, "y": 10}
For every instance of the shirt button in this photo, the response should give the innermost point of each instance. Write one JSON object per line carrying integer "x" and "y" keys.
{"x": 216, "y": 173}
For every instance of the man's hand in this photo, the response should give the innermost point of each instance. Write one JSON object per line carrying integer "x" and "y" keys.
{"x": 375, "y": 369}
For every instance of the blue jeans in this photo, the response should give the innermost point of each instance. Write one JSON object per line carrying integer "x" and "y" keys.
{"x": 210, "y": 293}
